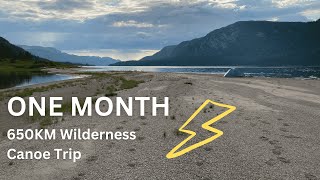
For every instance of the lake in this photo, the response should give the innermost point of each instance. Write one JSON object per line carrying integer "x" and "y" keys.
{"x": 280, "y": 72}
{"x": 8, "y": 80}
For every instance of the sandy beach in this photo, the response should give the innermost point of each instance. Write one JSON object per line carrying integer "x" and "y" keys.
{"x": 273, "y": 134}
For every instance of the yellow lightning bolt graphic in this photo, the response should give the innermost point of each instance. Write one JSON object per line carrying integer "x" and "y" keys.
{"x": 175, "y": 153}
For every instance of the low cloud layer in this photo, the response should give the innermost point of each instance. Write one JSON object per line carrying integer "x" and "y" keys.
{"x": 126, "y": 25}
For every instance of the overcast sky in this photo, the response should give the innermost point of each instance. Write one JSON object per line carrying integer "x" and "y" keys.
{"x": 131, "y": 29}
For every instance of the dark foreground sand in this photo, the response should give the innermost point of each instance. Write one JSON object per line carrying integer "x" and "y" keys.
{"x": 273, "y": 134}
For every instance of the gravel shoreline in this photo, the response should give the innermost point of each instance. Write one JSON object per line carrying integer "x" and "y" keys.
{"x": 273, "y": 134}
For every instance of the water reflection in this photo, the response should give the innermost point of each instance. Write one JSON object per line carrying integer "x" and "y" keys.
{"x": 13, "y": 79}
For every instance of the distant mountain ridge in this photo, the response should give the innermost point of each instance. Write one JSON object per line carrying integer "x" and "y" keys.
{"x": 58, "y": 56}
{"x": 256, "y": 43}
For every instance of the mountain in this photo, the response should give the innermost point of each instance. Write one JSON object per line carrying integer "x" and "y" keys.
{"x": 16, "y": 59}
{"x": 255, "y": 43}
{"x": 58, "y": 56}
{"x": 10, "y": 51}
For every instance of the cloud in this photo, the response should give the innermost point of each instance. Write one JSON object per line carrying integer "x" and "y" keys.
{"x": 88, "y": 9}
{"x": 311, "y": 14}
{"x": 274, "y": 19}
{"x": 289, "y": 3}
{"x": 227, "y": 4}
{"x": 133, "y": 23}
{"x": 65, "y": 5}
{"x": 79, "y": 10}
{"x": 46, "y": 39}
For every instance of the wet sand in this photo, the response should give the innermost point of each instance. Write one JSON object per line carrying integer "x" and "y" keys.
{"x": 273, "y": 134}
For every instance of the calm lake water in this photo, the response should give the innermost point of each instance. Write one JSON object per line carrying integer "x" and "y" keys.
{"x": 282, "y": 72}
{"x": 9, "y": 80}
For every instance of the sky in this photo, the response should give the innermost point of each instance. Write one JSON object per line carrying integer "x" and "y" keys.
{"x": 132, "y": 29}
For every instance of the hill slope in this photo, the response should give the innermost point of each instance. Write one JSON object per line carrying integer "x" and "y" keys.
{"x": 16, "y": 59}
{"x": 259, "y": 43}
{"x": 58, "y": 56}
{"x": 10, "y": 51}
